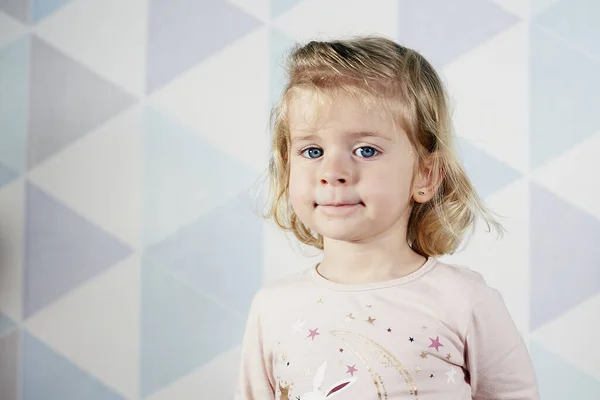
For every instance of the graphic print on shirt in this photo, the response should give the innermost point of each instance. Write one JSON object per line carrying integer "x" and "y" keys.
{"x": 317, "y": 394}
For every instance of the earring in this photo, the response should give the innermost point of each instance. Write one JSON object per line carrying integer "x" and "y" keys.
{"x": 421, "y": 193}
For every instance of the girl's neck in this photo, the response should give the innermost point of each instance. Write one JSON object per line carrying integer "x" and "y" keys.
{"x": 356, "y": 263}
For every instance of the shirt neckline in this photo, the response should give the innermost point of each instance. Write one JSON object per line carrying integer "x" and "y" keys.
{"x": 347, "y": 287}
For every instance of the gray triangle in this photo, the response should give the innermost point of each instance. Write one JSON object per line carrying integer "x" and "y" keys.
{"x": 18, "y": 9}
{"x": 67, "y": 101}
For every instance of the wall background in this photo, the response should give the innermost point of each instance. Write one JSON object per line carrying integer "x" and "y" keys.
{"x": 131, "y": 131}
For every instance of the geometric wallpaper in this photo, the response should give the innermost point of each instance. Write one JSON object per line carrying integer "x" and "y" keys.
{"x": 134, "y": 135}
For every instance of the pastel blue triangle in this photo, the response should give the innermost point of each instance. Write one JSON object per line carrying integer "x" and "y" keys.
{"x": 227, "y": 263}
{"x": 564, "y": 256}
{"x": 565, "y": 96}
{"x": 6, "y": 175}
{"x": 49, "y": 376}
{"x": 183, "y": 173}
{"x": 10, "y": 365}
{"x": 279, "y": 45}
{"x": 62, "y": 250}
{"x": 6, "y": 324}
{"x": 178, "y": 38}
{"x": 14, "y": 103}
{"x": 444, "y": 30}
{"x": 576, "y": 21}
{"x": 279, "y": 7}
{"x": 487, "y": 173}
{"x": 181, "y": 329}
{"x": 43, "y": 8}
{"x": 559, "y": 379}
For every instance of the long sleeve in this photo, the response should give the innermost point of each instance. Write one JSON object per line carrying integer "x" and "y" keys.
{"x": 498, "y": 362}
{"x": 255, "y": 375}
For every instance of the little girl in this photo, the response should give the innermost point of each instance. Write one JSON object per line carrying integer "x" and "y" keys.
{"x": 363, "y": 167}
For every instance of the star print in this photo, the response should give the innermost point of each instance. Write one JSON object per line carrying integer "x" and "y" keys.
{"x": 351, "y": 369}
{"x": 341, "y": 350}
{"x": 449, "y": 356}
{"x": 349, "y": 317}
{"x": 431, "y": 376}
{"x": 423, "y": 354}
{"x": 320, "y": 301}
{"x": 435, "y": 343}
{"x": 418, "y": 369}
{"x": 389, "y": 329}
{"x": 371, "y": 320}
{"x": 369, "y": 305}
{"x": 298, "y": 325}
{"x": 412, "y": 339}
{"x": 313, "y": 333}
{"x": 283, "y": 356}
{"x": 424, "y": 327}
{"x": 451, "y": 374}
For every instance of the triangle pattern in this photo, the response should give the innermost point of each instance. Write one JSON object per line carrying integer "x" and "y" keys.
{"x": 172, "y": 25}
{"x": 321, "y": 19}
{"x": 280, "y": 45}
{"x": 539, "y": 6}
{"x": 43, "y": 8}
{"x": 565, "y": 336}
{"x": 573, "y": 384}
{"x": 61, "y": 243}
{"x": 211, "y": 381}
{"x": 185, "y": 177}
{"x": 10, "y": 366}
{"x": 6, "y": 175}
{"x": 80, "y": 30}
{"x": 555, "y": 267}
{"x": 573, "y": 170}
{"x": 260, "y": 9}
{"x": 14, "y": 100}
{"x": 279, "y": 7}
{"x": 244, "y": 137}
{"x": 481, "y": 105}
{"x": 561, "y": 101}
{"x": 18, "y": 9}
{"x": 100, "y": 176}
{"x": 10, "y": 28}
{"x": 12, "y": 232}
{"x": 59, "y": 87}
{"x": 48, "y": 375}
{"x": 232, "y": 248}
{"x": 486, "y": 172}
{"x": 442, "y": 31}
{"x": 104, "y": 311}
{"x": 575, "y": 20}
{"x": 6, "y": 324}
{"x": 181, "y": 329}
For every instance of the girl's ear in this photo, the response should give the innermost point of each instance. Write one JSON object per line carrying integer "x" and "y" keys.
{"x": 426, "y": 181}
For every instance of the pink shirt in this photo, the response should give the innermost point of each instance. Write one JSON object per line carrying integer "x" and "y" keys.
{"x": 438, "y": 333}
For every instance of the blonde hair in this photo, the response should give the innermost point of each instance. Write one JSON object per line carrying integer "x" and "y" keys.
{"x": 377, "y": 69}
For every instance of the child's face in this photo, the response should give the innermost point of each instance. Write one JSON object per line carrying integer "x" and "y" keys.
{"x": 344, "y": 184}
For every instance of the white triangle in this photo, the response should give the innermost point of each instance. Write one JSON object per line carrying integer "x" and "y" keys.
{"x": 573, "y": 175}
{"x": 100, "y": 176}
{"x": 107, "y": 36}
{"x": 279, "y": 246}
{"x": 10, "y": 28}
{"x": 330, "y": 19}
{"x": 504, "y": 262}
{"x": 489, "y": 88}
{"x": 97, "y": 326}
{"x": 260, "y": 9}
{"x": 214, "y": 380}
{"x": 12, "y": 232}
{"x": 574, "y": 336}
{"x": 225, "y": 99}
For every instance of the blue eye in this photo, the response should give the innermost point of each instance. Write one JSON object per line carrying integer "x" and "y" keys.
{"x": 312, "y": 152}
{"x": 366, "y": 152}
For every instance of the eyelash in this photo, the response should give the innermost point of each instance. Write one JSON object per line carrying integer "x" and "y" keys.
{"x": 377, "y": 152}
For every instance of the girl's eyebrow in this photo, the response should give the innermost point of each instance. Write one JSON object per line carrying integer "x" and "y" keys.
{"x": 354, "y": 135}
